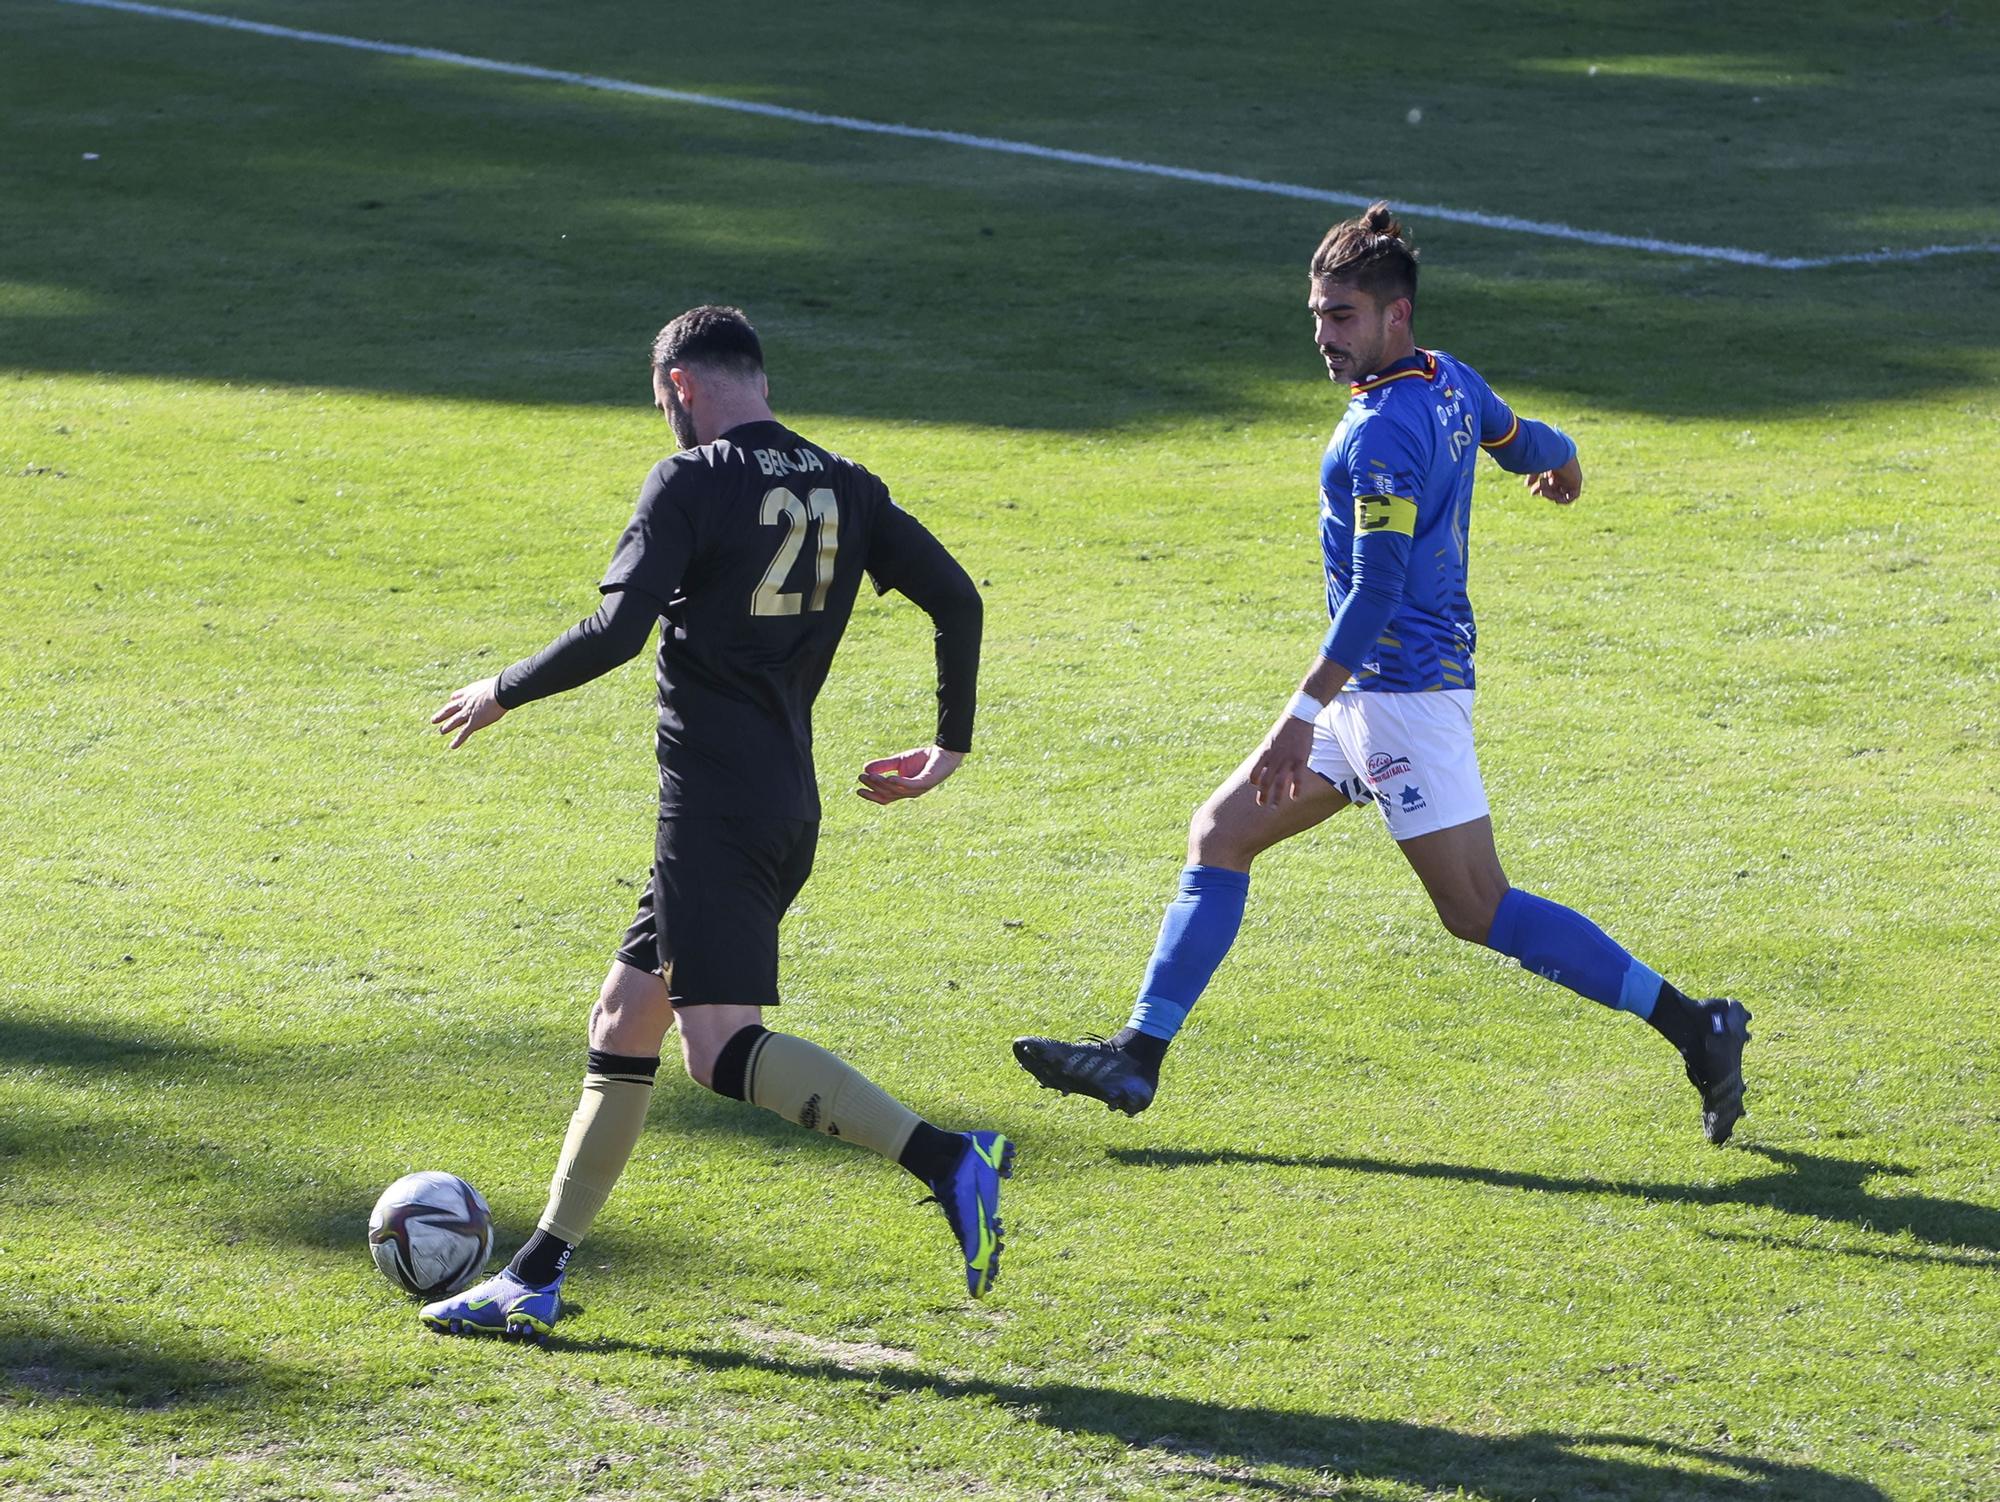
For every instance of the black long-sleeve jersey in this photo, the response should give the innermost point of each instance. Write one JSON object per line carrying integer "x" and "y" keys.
{"x": 752, "y": 549}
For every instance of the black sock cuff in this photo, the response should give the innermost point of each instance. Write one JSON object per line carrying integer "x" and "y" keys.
{"x": 931, "y": 1154}
{"x": 543, "y": 1259}
{"x": 622, "y": 1066}
{"x": 1677, "y": 1019}
{"x": 732, "y": 1065}
{"x": 1144, "y": 1047}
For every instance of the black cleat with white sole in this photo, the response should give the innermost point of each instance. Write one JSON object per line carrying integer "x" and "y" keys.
{"x": 1093, "y": 1067}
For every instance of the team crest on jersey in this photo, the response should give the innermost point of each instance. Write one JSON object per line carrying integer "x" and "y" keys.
{"x": 1382, "y": 766}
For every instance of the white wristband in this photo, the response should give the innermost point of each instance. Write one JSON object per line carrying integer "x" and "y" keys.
{"x": 1304, "y": 707}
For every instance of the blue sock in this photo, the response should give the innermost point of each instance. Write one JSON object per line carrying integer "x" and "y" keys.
{"x": 1199, "y": 926}
{"x": 1562, "y": 945}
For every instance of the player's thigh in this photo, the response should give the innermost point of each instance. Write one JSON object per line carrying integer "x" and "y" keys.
{"x": 1232, "y": 828}
{"x": 1416, "y": 755}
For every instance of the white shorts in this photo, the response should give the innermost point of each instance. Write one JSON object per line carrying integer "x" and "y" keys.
{"x": 1410, "y": 754}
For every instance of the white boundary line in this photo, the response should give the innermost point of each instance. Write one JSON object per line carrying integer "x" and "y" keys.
{"x": 1047, "y": 153}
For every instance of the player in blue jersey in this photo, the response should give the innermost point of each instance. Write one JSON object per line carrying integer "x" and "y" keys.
{"x": 1385, "y": 714}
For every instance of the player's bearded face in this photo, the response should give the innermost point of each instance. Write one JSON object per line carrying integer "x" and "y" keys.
{"x": 1352, "y": 331}
{"x": 678, "y": 417}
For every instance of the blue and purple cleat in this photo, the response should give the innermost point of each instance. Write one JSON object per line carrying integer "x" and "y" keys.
{"x": 970, "y": 1195}
{"x": 500, "y": 1305}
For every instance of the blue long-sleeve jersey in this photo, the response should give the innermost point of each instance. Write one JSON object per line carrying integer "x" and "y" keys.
{"x": 1396, "y": 513}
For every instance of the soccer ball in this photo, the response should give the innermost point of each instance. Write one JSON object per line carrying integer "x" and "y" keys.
{"x": 430, "y": 1233}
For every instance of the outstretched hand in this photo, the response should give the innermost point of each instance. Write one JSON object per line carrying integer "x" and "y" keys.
{"x": 471, "y": 708}
{"x": 1280, "y": 768}
{"x": 1559, "y": 485}
{"x": 908, "y": 774}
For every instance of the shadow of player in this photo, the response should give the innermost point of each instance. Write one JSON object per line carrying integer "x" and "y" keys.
{"x": 1804, "y": 1184}
{"x": 1220, "y": 1442}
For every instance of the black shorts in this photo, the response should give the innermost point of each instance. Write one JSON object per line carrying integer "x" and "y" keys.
{"x": 708, "y": 919}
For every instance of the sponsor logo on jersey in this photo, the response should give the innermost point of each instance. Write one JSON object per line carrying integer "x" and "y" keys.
{"x": 1382, "y": 766}
{"x": 1461, "y": 437}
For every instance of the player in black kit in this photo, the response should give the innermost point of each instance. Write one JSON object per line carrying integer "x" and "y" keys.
{"x": 749, "y": 545}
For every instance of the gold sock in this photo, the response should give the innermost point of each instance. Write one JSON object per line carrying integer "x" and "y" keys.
{"x": 602, "y": 1134}
{"x": 802, "y": 1082}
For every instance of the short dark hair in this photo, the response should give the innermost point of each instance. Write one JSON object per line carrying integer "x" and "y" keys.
{"x": 717, "y": 337}
{"x": 1371, "y": 253}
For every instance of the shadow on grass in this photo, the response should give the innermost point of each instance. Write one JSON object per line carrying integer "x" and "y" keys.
{"x": 64, "y": 1366}
{"x": 237, "y": 1192}
{"x": 1805, "y": 1184}
{"x": 1771, "y": 1243}
{"x": 34, "y": 1042}
{"x": 200, "y": 1157}
{"x": 1439, "y": 1460}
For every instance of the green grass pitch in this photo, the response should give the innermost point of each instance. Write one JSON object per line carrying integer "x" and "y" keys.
{"x": 322, "y": 391}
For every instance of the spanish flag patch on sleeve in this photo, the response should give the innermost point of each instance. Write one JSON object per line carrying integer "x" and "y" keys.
{"x": 1384, "y": 513}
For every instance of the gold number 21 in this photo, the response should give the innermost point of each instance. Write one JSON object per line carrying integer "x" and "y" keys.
{"x": 782, "y": 507}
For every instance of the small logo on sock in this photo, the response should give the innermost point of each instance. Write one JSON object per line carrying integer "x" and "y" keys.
{"x": 809, "y": 1113}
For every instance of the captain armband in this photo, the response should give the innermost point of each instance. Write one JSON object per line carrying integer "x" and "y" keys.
{"x": 1384, "y": 513}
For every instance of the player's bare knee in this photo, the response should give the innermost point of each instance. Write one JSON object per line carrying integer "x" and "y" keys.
{"x": 1468, "y": 916}
{"x": 698, "y": 1054}
{"x": 1460, "y": 923}
{"x": 1212, "y": 841}
{"x": 608, "y": 1011}
{"x": 631, "y": 1014}
{"x": 715, "y": 1045}
{"x": 700, "y": 1066}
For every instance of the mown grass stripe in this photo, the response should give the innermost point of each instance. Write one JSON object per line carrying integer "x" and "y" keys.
{"x": 1507, "y": 223}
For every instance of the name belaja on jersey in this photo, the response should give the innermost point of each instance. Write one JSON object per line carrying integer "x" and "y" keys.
{"x": 779, "y": 462}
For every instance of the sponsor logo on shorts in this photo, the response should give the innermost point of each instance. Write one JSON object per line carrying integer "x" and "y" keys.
{"x": 1382, "y": 766}
{"x": 1412, "y": 798}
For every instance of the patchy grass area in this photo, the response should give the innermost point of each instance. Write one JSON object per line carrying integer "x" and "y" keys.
{"x": 322, "y": 390}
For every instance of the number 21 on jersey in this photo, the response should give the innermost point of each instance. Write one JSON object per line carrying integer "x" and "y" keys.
{"x": 783, "y": 509}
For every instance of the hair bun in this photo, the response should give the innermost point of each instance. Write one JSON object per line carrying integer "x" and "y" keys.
{"x": 1380, "y": 219}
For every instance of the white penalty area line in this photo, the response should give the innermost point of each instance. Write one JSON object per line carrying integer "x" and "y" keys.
{"x": 1504, "y": 222}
